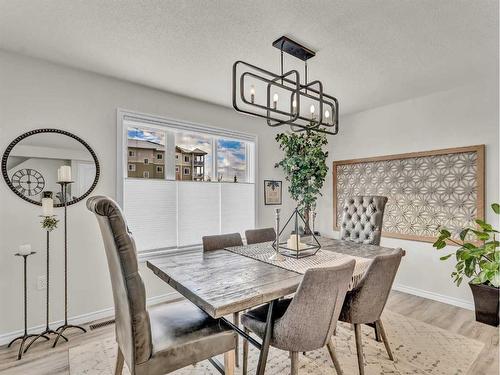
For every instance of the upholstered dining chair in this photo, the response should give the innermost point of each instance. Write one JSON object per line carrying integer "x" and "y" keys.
{"x": 307, "y": 321}
{"x": 362, "y": 219}
{"x": 219, "y": 242}
{"x": 163, "y": 338}
{"x": 260, "y": 235}
{"x": 364, "y": 304}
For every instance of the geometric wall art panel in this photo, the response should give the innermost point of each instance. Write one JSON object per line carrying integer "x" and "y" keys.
{"x": 425, "y": 190}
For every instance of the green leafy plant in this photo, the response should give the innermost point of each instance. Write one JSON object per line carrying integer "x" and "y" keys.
{"x": 49, "y": 223}
{"x": 304, "y": 165}
{"x": 478, "y": 260}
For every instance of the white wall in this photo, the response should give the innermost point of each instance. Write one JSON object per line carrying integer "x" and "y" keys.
{"x": 35, "y": 94}
{"x": 461, "y": 117}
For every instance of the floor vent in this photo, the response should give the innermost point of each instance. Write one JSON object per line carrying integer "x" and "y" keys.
{"x": 101, "y": 324}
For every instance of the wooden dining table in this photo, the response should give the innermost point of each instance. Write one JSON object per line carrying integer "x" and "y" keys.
{"x": 224, "y": 282}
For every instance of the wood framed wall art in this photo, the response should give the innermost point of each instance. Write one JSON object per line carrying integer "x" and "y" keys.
{"x": 425, "y": 189}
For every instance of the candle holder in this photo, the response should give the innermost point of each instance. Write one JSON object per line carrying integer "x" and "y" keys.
{"x": 277, "y": 256}
{"x": 47, "y": 330}
{"x": 25, "y": 336}
{"x": 65, "y": 325}
{"x": 298, "y": 250}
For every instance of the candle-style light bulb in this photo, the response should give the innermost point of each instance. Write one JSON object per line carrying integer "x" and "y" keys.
{"x": 312, "y": 109}
{"x": 275, "y": 100}
{"x": 327, "y": 114}
{"x": 252, "y": 94}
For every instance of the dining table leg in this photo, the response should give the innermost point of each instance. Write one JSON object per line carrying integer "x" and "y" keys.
{"x": 264, "y": 351}
{"x": 236, "y": 321}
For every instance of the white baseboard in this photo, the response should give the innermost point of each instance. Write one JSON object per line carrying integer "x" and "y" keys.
{"x": 85, "y": 318}
{"x": 435, "y": 296}
{"x": 108, "y": 313}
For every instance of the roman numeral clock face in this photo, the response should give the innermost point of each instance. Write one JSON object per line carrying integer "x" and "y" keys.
{"x": 28, "y": 182}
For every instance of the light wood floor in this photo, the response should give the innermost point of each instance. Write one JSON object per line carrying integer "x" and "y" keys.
{"x": 43, "y": 360}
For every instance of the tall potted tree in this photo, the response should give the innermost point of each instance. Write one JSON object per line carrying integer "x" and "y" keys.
{"x": 304, "y": 165}
{"x": 478, "y": 261}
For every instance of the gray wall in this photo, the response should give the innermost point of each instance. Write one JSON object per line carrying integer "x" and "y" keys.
{"x": 35, "y": 94}
{"x": 464, "y": 116}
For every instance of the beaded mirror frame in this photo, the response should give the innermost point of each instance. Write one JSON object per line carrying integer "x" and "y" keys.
{"x": 56, "y": 131}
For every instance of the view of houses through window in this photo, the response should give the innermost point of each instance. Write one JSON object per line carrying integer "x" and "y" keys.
{"x": 193, "y": 157}
{"x": 146, "y": 149}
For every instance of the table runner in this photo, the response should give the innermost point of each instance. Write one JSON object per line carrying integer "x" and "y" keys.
{"x": 323, "y": 258}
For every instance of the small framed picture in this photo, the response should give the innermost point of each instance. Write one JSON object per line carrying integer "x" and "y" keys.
{"x": 272, "y": 192}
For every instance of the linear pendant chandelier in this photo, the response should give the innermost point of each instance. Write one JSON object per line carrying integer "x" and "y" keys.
{"x": 305, "y": 107}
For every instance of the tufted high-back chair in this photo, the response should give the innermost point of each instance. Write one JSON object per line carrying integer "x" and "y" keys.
{"x": 362, "y": 219}
{"x": 163, "y": 338}
{"x": 129, "y": 295}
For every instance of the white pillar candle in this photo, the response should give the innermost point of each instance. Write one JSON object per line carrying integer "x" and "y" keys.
{"x": 292, "y": 242}
{"x": 25, "y": 249}
{"x": 47, "y": 206}
{"x": 64, "y": 173}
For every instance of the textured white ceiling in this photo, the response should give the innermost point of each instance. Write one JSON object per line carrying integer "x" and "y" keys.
{"x": 369, "y": 53}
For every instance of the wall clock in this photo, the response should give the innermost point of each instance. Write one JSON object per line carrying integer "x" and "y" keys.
{"x": 28, "y": 182}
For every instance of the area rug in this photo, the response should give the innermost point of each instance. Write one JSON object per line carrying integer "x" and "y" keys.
{"x": 418, "y": 348}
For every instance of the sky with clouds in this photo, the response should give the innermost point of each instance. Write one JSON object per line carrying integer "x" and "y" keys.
{"x": 146, "y": 135}
{"x": 231, "y": 159}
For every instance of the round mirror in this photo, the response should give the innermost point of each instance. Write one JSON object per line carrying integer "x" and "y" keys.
{"x": 31, "y": 163}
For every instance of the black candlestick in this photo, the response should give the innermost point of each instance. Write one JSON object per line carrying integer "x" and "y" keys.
{"x": 47, "y": 330}
{"x": 25, "y": 336}
{"x": 65, "y": 326}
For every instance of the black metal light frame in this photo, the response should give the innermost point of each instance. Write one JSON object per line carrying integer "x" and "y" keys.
{"x": 289, "y": 81}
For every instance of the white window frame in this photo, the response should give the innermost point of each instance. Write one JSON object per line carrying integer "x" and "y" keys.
{"x": 145, "y": 173}
{"x": 159, "y": 156}
{"x": 159, "y": 169}
{"x": 131, "y": 167}
{"x": 164, "y": 123}
{"x": 184, "y": 169}
{"x": 146, "y": 161}
{"x": 131, "y": 153}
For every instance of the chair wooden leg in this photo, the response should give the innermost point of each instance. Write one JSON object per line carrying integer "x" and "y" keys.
{"x": 236, "y": 322}
{"x": 119, "y": 363}
{"x": 384, "y": 339}
{"x": 245, "y": 353}
{"x": 229, "y": 359}
{"x": 359, "y": 348}
{"x": 294, "y": 359}
{"x": 333, "y": 355}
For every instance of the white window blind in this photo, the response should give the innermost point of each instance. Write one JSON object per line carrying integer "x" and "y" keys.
{"x": 199, "y": 211}
{"x": 167, "y": 211}
{"x": 237, "y": 207}
{"x": 151, "y": 211}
